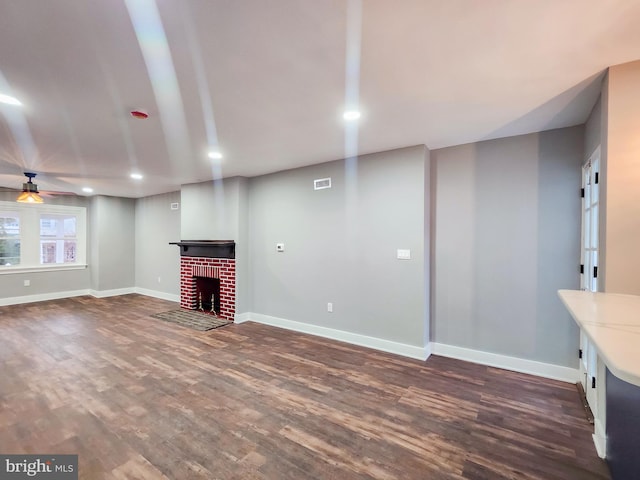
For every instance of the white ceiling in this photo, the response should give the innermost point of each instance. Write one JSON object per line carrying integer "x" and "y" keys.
{"x": 269, "y": 80}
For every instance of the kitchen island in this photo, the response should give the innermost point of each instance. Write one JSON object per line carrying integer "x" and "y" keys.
{"x": 611, "y": 322}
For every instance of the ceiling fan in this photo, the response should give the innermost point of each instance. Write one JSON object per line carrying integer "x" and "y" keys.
{"x": 30, "y": 192}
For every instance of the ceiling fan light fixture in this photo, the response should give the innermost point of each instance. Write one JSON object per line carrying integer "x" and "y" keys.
{"x": 29, "y": 191}
{"x": 29, "y": 197}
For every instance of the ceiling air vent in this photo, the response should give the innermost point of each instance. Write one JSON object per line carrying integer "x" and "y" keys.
{"x": 321, "y": 183}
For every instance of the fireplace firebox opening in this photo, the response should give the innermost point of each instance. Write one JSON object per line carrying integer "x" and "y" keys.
{"x": 208, "y": 295}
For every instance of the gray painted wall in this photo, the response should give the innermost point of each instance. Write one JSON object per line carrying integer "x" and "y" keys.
{"x": 604, "y": 162}
{"x": 621, "y": 179}
{"x": 507, "y": 237}
{"x": 340, "y": 245}
{"x": 243, "y": 284}
{"x": 219, "y": 211}
{"x": 12, "y": 285}
{"x": 112, "y": 237}
{"x": 93, "y": 255}
{"x": 157, "y": 262}
{"x": 428, "y": 238}
{"x": 211, "y": 210}
{"x": 593, "y": 129}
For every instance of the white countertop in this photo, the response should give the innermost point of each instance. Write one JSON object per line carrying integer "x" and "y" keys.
{"x": 612, "y": 323}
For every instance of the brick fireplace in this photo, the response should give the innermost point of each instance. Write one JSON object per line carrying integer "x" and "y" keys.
{"x": 208, "y": 259}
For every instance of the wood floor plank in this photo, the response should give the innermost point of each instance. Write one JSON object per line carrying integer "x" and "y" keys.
{"x": 136, "y": 397}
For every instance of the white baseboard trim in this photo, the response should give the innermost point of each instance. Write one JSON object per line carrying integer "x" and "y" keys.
{"x": 112, "y": 293}
{"x": 428, "y": 349}
{"x": 532, "y": 367}
{"x": 241, "y": 317}
{"x": 420, "y": 353}
{"x": 41, "y": 297}
{"x": 600, "y": 439}
{"x": 155, "y": 294}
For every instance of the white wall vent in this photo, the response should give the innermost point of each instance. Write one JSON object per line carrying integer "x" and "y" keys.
{"x": 175, "y": 206}
{"x": 321, "y": 183}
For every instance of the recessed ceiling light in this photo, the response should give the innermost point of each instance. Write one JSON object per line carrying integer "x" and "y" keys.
{"x": 87, "y": 189}
{"x": 215, "y": 155}
{"x": 351, "y": 115}
{"x": 136, "y": 176}
{"x": 9, "y": 100}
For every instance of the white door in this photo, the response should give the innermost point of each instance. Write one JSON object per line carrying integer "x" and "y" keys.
{"x": 589, "y": 267}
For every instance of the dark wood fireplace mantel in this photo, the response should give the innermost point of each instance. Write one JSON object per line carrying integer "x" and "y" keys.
{"x": 207, "y": 248}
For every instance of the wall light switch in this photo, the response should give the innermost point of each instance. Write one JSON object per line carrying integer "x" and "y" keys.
{"x": 279, "y": 247}
{"x": 27, "y": 283}
{"x": 404, "y": 254}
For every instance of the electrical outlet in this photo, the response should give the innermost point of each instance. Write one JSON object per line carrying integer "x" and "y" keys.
{"x": 329, "y": 307}
{"x": 27, "y": 283}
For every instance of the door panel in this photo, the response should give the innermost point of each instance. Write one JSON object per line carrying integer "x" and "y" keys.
{"x": 588, "y": 277}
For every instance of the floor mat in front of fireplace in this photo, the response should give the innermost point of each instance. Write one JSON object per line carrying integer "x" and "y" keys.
{"x": 192, "y": 319}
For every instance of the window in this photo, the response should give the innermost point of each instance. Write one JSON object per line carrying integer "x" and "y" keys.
{"x": 58, "y": 238}
{"x": 9, "y": 238}
{"x": 41, "y": 237}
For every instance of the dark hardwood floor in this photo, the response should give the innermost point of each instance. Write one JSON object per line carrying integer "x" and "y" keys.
{"x": 138, "y": 398}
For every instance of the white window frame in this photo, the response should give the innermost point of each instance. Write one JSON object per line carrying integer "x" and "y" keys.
{"x": 11, "y": 237}
{"x": 30, "y": 237}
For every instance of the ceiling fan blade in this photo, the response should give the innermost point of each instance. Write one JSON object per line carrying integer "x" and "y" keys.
{"x": 50, "y": 193}
{"x": 29, "y": 186}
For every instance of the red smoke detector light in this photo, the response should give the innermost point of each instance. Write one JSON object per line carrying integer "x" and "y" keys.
{"x": 139, "y": 114}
